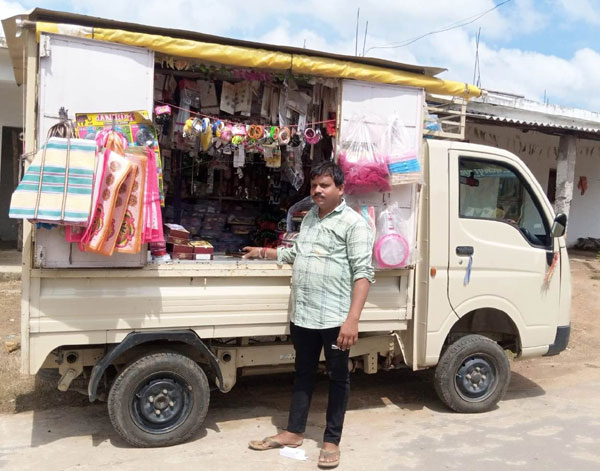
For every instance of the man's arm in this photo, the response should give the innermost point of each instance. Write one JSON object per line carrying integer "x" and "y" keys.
{"x": 281, "y": 254}
{"x": 349, "y": 331}
{"x": 359, "y": 246}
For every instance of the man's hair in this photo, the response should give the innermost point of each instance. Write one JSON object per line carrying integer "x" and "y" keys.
{"x": 327, "y": 168}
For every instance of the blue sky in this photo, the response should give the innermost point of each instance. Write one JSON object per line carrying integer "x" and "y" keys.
{"x": 533, "y": 48}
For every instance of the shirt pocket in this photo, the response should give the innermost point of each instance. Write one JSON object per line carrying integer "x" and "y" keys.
{"x": 323, "y": 243}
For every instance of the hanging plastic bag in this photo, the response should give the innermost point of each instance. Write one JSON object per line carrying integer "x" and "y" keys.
{"x": 401, "y": 154}
{"x": 391, "y": 249}
{"x": 364, "y": 169}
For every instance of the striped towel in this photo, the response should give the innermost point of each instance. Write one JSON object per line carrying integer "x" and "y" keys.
{"x": 54, "y": 200}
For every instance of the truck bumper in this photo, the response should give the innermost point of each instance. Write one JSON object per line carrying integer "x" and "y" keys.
{"x": 560, "y": 341}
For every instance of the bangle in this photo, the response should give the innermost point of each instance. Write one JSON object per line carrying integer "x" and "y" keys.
{"x": 264, "y": 253}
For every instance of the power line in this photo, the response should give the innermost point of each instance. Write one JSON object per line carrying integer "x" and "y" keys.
{"x": 365, "y": 40}
{"x": 477, "y": 68}
{"x": 356, "y": 41}
{"x": 461, "y": 23}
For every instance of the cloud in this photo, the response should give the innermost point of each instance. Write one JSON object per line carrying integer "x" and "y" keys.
{"x": 579, "y": 11}
{"x": 506, "y": 64}
{"x": 8, "y": 9}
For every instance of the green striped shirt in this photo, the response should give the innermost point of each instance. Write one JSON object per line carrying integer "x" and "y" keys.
{"x": 329, "y": 255}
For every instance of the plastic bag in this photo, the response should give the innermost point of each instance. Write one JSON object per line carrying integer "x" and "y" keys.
{"x": 401, "y": 154}
{"x": 302, "y": 205}
{"x": 364, "y": 169}
{"x": 391, "y": 249}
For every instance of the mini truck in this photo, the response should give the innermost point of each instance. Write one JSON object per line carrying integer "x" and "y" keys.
{"x": 491, "y": 280}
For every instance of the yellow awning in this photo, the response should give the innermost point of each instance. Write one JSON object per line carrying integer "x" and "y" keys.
{"x": 262, "y": 59}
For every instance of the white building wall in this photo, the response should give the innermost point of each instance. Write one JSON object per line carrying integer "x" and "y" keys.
{"x": 539, "y": 151}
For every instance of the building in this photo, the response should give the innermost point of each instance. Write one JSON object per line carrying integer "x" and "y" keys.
{"x": 560, "y": 145}
{"x": 11, "y": 124}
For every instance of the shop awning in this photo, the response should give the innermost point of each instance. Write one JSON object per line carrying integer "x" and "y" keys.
{"x": 237, "y": 53}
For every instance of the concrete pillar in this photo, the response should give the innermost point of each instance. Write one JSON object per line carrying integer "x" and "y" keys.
{"x": 565, "y": 173}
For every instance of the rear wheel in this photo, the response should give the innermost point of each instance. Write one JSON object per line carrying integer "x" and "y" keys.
{"x": 472, "y": 375}
{"x": 159, "y": 400}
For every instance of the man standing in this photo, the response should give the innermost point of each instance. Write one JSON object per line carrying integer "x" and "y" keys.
{"x": 332, "y": 273}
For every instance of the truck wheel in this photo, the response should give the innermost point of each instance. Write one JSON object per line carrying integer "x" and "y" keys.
{"x": 472, "y": 374}
{"x": 159, "y": 400}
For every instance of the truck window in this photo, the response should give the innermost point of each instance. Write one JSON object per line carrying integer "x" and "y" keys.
{"x": 495, "y": 192}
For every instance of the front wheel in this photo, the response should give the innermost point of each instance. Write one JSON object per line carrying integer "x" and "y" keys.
{"x": 472, "y": 375}
{"x": 159, "y": 400}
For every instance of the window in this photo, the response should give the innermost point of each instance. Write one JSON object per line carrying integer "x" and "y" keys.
{"x": 495, "y": 192}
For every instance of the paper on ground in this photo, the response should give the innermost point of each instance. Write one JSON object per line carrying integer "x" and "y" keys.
{"x": 294, "y": 453}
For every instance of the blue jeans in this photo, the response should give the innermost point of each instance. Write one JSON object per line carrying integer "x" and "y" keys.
{"x": 308, "y": 344}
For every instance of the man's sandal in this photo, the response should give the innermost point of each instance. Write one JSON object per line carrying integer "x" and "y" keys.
{"x": 269, "y": 443}
{"x": 325, "y": 460}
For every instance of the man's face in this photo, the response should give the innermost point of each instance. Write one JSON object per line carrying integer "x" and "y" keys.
{"x": 324, "y": 193}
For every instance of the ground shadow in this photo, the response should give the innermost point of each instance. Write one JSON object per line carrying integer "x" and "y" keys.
{"x": 252, "y": 397}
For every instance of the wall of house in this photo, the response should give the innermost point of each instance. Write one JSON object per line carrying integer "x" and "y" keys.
{"x": 539, "y": 151}
{"x": 11, "y": 115}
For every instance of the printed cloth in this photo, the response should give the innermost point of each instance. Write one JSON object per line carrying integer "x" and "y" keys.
{"x": 129, "y": 238}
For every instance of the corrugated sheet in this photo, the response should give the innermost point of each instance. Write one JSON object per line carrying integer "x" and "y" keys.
{"x": 522, "y": 116}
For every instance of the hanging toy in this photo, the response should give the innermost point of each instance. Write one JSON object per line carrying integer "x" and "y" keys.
{"x": 218, "y": 127}
{"x": 206, "y": 134}
{"x": 226, "y": 134}
{"x": 312, "y": 136}
{"x": 284, "y": 136}
{"x": 112, "y": 140}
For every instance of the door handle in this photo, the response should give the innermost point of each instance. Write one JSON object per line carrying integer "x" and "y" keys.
{"x": 465, "y": 250}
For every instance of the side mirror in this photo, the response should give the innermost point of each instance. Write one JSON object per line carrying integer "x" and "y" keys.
{"x": 559, "y": 226}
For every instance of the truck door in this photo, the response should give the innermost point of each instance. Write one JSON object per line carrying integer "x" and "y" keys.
{"x": 87, "y": 76}
{"x": 500, "y": 248}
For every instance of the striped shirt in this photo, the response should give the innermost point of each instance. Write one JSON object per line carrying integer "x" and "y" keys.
{"x": 329, "y": 255}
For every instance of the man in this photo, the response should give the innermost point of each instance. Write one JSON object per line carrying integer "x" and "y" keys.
{"x": 331, "y": 277}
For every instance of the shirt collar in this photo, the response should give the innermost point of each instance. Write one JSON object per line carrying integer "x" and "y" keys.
{"x": 339, "y": 208}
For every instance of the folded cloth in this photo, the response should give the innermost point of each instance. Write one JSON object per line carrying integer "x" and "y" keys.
{"x": 110, "y": 209}
{"x": 153, "y": 226}
{"x": 129, "y": 239}
{"x": 57, "y": 186}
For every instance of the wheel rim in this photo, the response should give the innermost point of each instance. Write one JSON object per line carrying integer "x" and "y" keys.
{"x": 476, "y": 378}
{"x": 161, "y": 403}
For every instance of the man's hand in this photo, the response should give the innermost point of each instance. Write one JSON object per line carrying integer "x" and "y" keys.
{"x": 251, "y": 252}
{"x": 348, "y": 334}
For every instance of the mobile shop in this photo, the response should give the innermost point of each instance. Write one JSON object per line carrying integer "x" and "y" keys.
{"x": 143, "y": 185}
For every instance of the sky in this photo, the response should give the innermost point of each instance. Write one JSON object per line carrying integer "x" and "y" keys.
{"x": 544, "y": 50}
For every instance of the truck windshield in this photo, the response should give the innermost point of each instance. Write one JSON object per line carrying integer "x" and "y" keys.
{"x": 495, "y": 192}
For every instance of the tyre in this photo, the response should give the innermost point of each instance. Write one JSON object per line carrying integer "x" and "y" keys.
{"x": 159, "y": 400}
{"x": 472, "y": 374}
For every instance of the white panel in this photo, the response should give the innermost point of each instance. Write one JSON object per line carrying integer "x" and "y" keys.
{"x": 87, "y": 76}
{"x": 378, "y": 102}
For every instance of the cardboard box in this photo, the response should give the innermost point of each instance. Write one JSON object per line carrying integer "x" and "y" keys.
{"x": 177, "y": 240}
{"x": 182, "y": 256}
{"x": 180, "y": 248}
{"x": 177, "y": 231}
{"x": 202, "y": 247}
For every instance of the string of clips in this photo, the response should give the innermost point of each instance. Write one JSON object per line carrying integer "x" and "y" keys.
{"x": 227, "y": 121}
